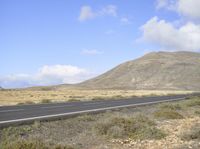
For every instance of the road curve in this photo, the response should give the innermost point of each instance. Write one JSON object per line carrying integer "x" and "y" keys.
{"x": 28, "y": 113}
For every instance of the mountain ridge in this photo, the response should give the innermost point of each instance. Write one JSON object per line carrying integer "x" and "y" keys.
{"x": 155, "y": 70}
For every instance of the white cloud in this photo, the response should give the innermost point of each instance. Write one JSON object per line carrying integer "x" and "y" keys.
{"x": 181, "y": 34}
{"x": 187, "y": 8}
{"x": 167, "y": 4}
{"x": 91, "y": 52}
{"x": 161, "y": 4}
{"x": 60, "y": 70}
{"x": 125, "y": 20}
{"x": 87, "y": 13}
{"x": 110, "y": 32}
{"x": 164, "y": 34}
{"x": 47, "y": 75}
{"x": 110, "y": 10}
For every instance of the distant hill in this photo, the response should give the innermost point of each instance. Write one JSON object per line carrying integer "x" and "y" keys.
{"x": 154, "y": 71}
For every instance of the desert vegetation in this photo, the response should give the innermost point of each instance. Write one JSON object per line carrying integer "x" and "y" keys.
{"x": 138, "y": 127}
{"x": 46, "y": 95}
{"x": 167, "y": 125}
{"x": 22, "y": 144}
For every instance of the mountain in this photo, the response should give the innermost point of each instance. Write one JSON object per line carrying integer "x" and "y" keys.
{"x": 153, "y": 71}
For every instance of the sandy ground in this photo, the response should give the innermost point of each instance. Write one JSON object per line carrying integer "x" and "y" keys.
{"x": 12, "y": 97}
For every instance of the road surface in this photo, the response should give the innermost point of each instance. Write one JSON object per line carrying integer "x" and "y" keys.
{"x": 28, "y": 113}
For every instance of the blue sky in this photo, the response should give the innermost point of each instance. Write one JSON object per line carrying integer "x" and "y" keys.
{"x": 53, "y": 42}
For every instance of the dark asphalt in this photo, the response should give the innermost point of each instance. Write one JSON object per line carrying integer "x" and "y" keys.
{"x": 23, "y": 113}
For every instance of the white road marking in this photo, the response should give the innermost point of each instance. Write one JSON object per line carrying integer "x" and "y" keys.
{"x": 51, "y": 107}
{"x": 93, "y": 103}
{"x": 86, "y": 111}
{"x": 3, "y": 111}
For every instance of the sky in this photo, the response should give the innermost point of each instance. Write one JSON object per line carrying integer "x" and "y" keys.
{"x": 53, "y": 42}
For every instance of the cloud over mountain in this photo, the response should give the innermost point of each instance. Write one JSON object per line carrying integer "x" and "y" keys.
{"x": 168, "y": 35}
{"x": 164, "y": 34}
{"x": 187, "y": 8}
{"x": 47, "y": 75}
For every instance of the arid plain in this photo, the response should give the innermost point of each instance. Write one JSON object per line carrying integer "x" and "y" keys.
{"x": 46, "y": 95}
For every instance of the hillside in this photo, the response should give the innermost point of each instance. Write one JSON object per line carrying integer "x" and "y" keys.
{"x": 154, "y": 71}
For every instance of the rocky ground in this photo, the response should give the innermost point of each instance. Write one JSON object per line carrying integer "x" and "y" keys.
{"x": 175, "y": 129}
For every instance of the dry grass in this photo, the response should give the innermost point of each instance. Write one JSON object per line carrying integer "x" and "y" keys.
{"x": 194, "y": 102}
{"x": 139, "y": 127}
{"x": 36, "y": 144}
{"x": 12, "y": 97}
{"x": 120, "y": 129}
{"x": 192, "y": 134}
{"x": 167, "y": 114}
{"x": 169, "y": 111}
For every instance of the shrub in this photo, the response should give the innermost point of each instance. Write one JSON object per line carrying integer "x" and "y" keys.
{"x": 139, "y": 127}
{"x": 20, "y": 103}
{"x": 192, "y": 134}
{"x": 98, "y": 98}
{"x": 86, "y": 118}
{"x": 46, "y": 88}
{"x": 170, "y": 106}
{"x": 37, "y": 124}
{"x": 115, "y": 131}
{"x": 24, "y": 103}
{"x": 14, "y": 132}
{"x": 117, "y": 97}
{"x": 73, "y": 100}
{"x": 29, "y": 102}
{"x": 167, "y": 114}
{"x": 76, "y": 96}
{"x": 193, "y": 102}
{"x": 197, "y": 112}
{"x": 23, "y": 144}
{"x": 46, "y": 101}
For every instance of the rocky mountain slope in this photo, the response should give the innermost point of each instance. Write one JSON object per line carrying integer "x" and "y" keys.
{"x": 154, "y": 71}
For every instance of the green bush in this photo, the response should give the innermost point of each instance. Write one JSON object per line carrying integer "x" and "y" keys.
{"x": 86, "y": 118}
{"x": 14, "y": 132}
{"x": 192, "y": 134}
{"x": 23, "y": 144}
{"x": 117, "y": 97}
{"x": 98, "y": 98}
{"x": 139, "y": 127}
{"x": 46, "y": 88}
{"x": 197, "y": 112}
{"x": 167, "y": 114}
{"x": 27, "y": 102}
{"x": 171, "y": 106}
{"x": 46, "y": 101}
{"x": 193, "y": 102}
{"x": 73, "y": 100}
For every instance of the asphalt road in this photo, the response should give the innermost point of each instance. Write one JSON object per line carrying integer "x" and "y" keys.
{"x": 28, "y": 113}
